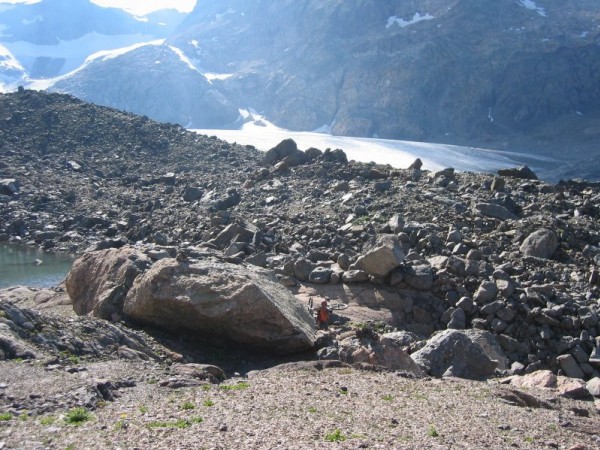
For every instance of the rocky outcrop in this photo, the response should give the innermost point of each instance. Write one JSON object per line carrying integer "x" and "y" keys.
{"x": 287, "y": 152}
{"x": 99, "y": 281}
{"x": 456, "y": 353}
{"x": 221, "y": 301}
{"x": 379, "y": 261}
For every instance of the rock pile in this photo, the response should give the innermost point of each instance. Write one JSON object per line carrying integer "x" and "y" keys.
{"x": 506, "y": 254}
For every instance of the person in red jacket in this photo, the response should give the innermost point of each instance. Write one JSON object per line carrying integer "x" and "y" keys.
{"x": 323, "y": 314}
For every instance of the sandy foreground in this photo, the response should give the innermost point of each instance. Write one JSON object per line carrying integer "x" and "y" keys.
{"x": 290, "y": 407}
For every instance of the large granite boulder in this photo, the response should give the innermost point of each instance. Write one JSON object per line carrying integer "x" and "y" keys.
{"x": 385, "y": 256}
{"x": 216, "y": 299}
{"x": 98, "y": 281}
{"x": 460, "y": 353}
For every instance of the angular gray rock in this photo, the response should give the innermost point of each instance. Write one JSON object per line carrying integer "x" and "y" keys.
{"x": 542, "y": 243}
{"x": 593, "y": 387}
{"x": 419, "y": 277}
{"x": 523, "y": 172}
{"x": 459, "y": 352}
{"x": 220, "y": 300}
{"x": 9, "y": 186}
{"x": 570, "y": 367}
{"x": 385, "y": 256}
{"x": 495, "y": 211}
{"x": 486, "y": 292}
{"x": 287, "y": 151}
{"x": 99, "y": 281}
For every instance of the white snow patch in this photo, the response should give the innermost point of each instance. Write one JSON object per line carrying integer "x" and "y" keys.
{"x": 184, "y": 58}
{"x": 74, "y": 52}
{"x": 8, "y": 62}
{"x": 531, "y": 5}
{"x": 263, "y": 135}
{"x": 141, "y": 18}
{"x": 579, "y": 113}
{"x": 36, "y": 19}
{"x": 110, "y": 54}
{"x": 490, "y": 117}
{"x": 194, "y": 43}
{"x": 216, "y": 76}
{"x": 394, "y": 20}
{"x": 326, "y": 129}
{"x": 584, "y": 34}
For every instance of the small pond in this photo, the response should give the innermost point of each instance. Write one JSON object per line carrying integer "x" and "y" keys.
{"x": 29, "y": 266}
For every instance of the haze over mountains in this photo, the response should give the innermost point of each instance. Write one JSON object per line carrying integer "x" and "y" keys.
{"x": 513, "y": 75}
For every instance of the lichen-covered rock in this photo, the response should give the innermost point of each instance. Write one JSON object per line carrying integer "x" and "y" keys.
{"x": 221, "y": 300}
{"x": 99, "y": 281}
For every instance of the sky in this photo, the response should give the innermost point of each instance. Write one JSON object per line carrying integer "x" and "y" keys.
{"x": 139, "y": 7}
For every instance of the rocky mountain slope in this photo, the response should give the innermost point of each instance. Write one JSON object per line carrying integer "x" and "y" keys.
{"x": 441, "y": 274}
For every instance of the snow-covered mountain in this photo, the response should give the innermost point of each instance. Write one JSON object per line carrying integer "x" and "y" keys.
{"x": 515, "y": 75}
{"x": 153, "y": 79}
{"x": 53, "y": 37}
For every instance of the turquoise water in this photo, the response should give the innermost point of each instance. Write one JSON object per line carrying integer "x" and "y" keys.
{"x": 28, "y": 266}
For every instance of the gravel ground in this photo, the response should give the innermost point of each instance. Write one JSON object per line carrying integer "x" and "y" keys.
{"x": 289, "y": 408}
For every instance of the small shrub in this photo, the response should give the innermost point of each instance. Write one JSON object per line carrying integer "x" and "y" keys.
{"x": 196, "y": 419}
{"x": 387, "y": 398}
{"x": 77, "y": 416}
{"x": 6, "y": 416}
{"x": 208, "y": 403}
{"x": 206, "y": 387}
{"x": 74, "y": 359}
{"x": 312, "y": 410}
{"x": 432, "y": 432}
{"x": 143, "y": 409}
{"x": 335, "y": 436}
{"x": 187, "y": 406}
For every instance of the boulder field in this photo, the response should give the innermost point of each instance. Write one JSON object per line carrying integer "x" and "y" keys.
{"x": 503, "y": 268}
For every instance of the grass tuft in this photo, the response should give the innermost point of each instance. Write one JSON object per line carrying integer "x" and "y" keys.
{"x": 77, "y": 416}
{"x": 335, "y": 436}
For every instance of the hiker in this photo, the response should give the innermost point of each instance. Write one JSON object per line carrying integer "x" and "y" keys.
{"x": 323, "y": 314}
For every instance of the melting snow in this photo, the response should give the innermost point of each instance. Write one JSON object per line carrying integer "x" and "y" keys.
{"x": 8, "y": 62}
{"x": 216, "y": 76}
{"x": 110, "y": 54}
{"x": 262, "y": 134}
{"x": 404, "y": 23}
{"x": 184, "y": 58}
{"x": 530, "y": 4}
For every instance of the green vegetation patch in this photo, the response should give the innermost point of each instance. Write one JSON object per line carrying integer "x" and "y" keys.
{"x": 77, "y": 416}
{"x": 335, "y": 436}
{"x": 235, "y": 387}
